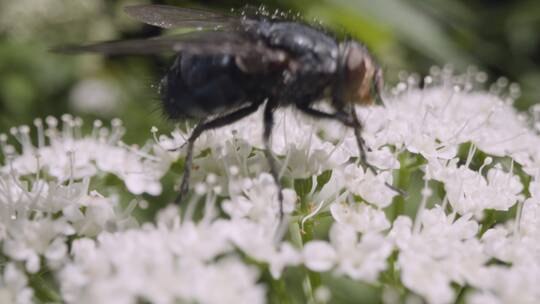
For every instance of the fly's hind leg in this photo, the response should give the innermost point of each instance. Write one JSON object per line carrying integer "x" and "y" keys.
{"x": 202, "y": 126}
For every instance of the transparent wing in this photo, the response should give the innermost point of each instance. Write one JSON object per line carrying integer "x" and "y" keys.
{"x": 166, "y": 16}
{"x": 198, "y": 42}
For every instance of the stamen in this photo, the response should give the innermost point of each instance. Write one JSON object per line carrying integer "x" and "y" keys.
{"x": 285, "y": 164}
{"x": 15, "y": 133}
{"x": 241, "y": 161}
{"x": 445, "y": 202}
{"x": 78, "y": 123}
{"x": 426, "y": 193}
{"x": 517, "y": 223}
{"x": 67, "y": 129}
{"x": 482, "y": 123}
{"x": 510, "y": 172}
{"x": 487, "y": 161}
{"x": 138, "y": 152}
{"x": 38, "y": 165}
{"x": 117, "y": 131}
{"x": 130, "y": 207}
{"x": 95, "y": 128}
{"x": 38, "y": 123}
{"x": 448, "y": 102}
{"x": 26, "y": 141}
{"x": 311, "y": 215}
{"x": 339, "y": 143}
{"x": 470, "y": 155}
{"x": 3, "y": 143}
{"x": 453, "y": 139}
{"x": 154, "y": 131}
{"x": 15, "y": 178}
{"x": 313, "y": 185}
{"x": 52, "y": 132}
{"x": 525, "y": 132}
{"x": 190, "y": 210}
{"x": 210, "y": 201}
{"x": 71, "y": 155}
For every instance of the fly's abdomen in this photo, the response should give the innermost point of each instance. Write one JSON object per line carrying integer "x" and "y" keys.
{"x": 197, "y": 86}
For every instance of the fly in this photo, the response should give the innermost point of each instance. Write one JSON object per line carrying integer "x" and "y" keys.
{"x": 232, "y": 65}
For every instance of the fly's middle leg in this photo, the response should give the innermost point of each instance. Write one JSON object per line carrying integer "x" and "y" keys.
{"x": 201, "y": 127}
{"x": 268, "y": 125}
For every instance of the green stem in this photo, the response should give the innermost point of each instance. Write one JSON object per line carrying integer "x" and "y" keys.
{"x": 460, "y": 298}
{"x": 278, "y": 292}
{"x": 403, "y": 177}
{"x": 43, "y": 289}
{"x": 489, "y": 220}
{"x": 312, "y": 280}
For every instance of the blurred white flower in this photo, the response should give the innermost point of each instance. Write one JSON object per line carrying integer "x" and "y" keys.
{"x": 442, "y": 251}
{"x": 469, "y": 191}
{"x": 14, "y": 286}
{"x": 66, "y": 154}
{"x": 160, "y": 265}
{"x": 363, "y": 218}
{"x": 319, "y": 256}
{"x": 370, "y": 187}
{"x": 360, "y": 259}
{"x": 26, "y": 18}
{"x": 95, "y": 96}
{"x": 476, "y": 225}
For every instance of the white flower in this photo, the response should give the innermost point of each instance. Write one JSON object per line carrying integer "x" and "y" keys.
{"x": 229, "y": 244}
{"x": 363, "y": 218}
{"x": 319, "y": 256}
{"x": 470, "y": 192}
{"x": 66, "y": 155}
{"x": 258, "y": 241}
{"x": 382, "y": 159}
{"x": 31, "y": 238}
{"x": 14, "y": 286}
{"x": 95, "y": 96}
{"x": 516, "y": 284}
{"x": 370, "y": 187}
{"x": 257, "y": 199}
{"x": 160, "y": 265}
{"x": 360, "y": 259}
{"x": 443, "y": 250}
{"x": 482, "y": 298}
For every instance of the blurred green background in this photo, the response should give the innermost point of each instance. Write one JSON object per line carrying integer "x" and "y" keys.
{"x": 500, "y": 37}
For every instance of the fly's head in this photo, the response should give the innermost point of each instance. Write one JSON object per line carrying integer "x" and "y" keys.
{"x": 361, "y": 76}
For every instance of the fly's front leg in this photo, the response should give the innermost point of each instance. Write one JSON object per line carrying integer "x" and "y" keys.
{"x": 357, "y": 127}
{"x": 348, "y": 119}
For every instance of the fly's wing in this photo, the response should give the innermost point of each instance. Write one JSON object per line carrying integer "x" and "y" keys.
{"x": 235, "y": 43}
{"x": 198, "y": 42}
{"x": 166, "y": 16}
{"x": 231, "y": 37}
{"x": 252, "y": 55}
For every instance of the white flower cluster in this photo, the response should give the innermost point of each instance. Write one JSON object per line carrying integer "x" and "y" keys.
{"x": 45, "y": 196}
{"x": 469, "y": 229}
